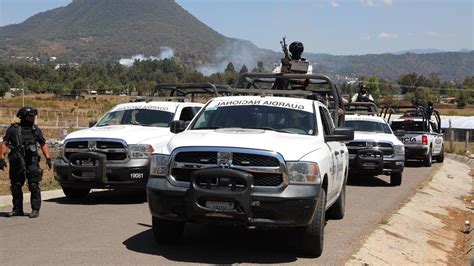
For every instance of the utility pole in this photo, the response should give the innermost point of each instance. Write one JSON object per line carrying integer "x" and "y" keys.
{"x": 23, "y": 94}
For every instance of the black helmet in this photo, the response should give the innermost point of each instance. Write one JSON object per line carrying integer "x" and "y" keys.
{"x": 26, "y": 111}
{"x": 296, "y": 49}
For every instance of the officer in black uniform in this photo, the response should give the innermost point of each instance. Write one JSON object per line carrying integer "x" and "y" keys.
{"x": 22, "y": 139}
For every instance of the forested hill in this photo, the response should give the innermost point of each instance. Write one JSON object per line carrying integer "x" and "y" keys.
{"x": 448, "y": 65}
{"x": 107, "y": 30}
{"x": 93, "y": 31}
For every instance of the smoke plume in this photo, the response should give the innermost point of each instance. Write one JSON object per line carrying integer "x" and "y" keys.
{"x": 165, "y": 53}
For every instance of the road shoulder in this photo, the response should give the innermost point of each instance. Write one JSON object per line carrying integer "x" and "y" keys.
{"x": 426, "y": 230}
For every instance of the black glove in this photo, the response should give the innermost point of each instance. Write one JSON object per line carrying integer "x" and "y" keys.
{"x": 48, "y": 162}
{"x": 3, "y": 164}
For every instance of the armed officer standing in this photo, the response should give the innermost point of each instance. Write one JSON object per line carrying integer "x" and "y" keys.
{"x": 363, "y": 95}
{"x": 22, "y": 138}
{"x": 296, "y": 51}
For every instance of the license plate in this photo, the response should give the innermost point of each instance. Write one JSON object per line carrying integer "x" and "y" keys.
{"x": 369, "y": 164}
{"x": 220, "y": 205}
{"x": 87, "y": 163}
{"x": 136, "y": 175}
{"x": 88, "y": 174}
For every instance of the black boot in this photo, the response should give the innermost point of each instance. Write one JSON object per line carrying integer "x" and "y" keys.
{"x": 15, "y": 213}
{"x": 34, "y": 214}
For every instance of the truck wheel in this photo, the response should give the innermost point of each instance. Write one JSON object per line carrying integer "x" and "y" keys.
{"x": 75, "y": 193}
{"x": 338, "y": 209}
{"x": 166, "y": 231}
{"x": 396, "y": 179}
{"x": 310, "y": 238}
{"x": 440, "y": 157}
{"x": 428, "y": 159}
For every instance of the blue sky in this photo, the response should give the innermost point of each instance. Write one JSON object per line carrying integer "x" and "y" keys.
{"x": 324, "y": 26}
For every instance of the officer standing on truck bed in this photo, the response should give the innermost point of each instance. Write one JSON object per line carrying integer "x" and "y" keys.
{"x": 22, "y": 138}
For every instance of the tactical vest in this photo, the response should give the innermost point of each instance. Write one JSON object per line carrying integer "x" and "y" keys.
{"x": 362, "y": 98}
{"x": 27, "y": 146}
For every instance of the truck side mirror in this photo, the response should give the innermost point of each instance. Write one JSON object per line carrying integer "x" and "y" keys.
{"x": 92, "y": 123}
{"x": 177, "y": 126}
{"x": 341, "y": 134}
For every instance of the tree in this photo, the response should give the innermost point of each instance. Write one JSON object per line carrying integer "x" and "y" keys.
{"x": 461, "y": 100}
{"x": 259, "y": 68}
{"x": 3, "y": 87}
{"x": 230, "y": 68}
{"x": 243, "y": 69}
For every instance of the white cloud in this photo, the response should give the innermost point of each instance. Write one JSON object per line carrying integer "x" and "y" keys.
{"x": 388, "y": 35}
{"x": 432, "y": 34}
{"x": 368, "y": 2}
{"x": 372, "y": 3}
{"x": 333, "y": 4}
{"x": 365, "y": 37}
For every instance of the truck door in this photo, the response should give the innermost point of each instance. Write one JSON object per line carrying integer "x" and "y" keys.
{"x": 336, "y": 153}
{"x": 437, "y": 138}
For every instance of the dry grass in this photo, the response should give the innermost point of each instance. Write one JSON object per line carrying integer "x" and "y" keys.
{"x": 458, "y": 147}
{"x": 468, "y": 111}
{"x": 60, "y": 112}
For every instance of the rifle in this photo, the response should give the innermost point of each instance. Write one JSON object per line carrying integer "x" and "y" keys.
{"x": 285, "y": 61}
{"x": 20, "y": 150}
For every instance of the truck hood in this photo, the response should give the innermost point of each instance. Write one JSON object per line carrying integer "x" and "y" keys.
{"x": 131, "y": 134}
{"x": 376, "y": 137}
{"x": 290, "y": 146}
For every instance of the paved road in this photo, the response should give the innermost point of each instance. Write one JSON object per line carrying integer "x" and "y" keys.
{"x": 115, "y": 228}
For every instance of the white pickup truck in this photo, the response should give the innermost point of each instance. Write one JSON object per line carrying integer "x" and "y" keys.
{"x": 115, "y": 152}
{"x": 253, "y": 161}
{"x": 423, "y": 138}
{"x": 375, "y": 149}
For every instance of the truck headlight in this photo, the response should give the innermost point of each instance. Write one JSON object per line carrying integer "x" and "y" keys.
{"x": 159, "y": 164}
{"x": 138, "y": 151}
{"x": 303, "y": 172}
{"x": 399, "y": 150}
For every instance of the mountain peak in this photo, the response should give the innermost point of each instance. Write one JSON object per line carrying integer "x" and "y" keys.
{"x": 106, "y": 30}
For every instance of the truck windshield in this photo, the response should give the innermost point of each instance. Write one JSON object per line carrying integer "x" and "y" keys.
{"x": 257, "y": 117}
{"x": 407, "y": 125}
{"x": 142, "y": 117}
{"x": 368, "y": 126}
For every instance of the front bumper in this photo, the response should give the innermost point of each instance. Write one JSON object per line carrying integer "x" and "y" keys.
{"x": 131, "y": 173}
{"x": 416, "y": 152}
{"x": 286, "y": 206}
{"x": 380, "y": 165}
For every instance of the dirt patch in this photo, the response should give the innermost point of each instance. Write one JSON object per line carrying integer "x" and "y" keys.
{"x": 428, "y": 228}
{"x": 454, "y": 222}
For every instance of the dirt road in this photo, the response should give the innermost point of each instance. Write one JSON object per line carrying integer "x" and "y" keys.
{"x": 115, "y": 228}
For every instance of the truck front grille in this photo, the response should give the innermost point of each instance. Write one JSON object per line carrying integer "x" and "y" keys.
{"x": 266, "y": 169}
{"x": 114, "y": 150}
{"x": 355, "y": 146}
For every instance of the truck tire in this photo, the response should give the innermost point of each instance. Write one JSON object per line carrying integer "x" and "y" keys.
{"x": 396, "y": 179}
{"x": 338, "y": 209}
{"x": 428, "y": 160}
{"x": 440, "y": 157}
{"x": 310, "y": 239}
{"x": 165, "y": 231}
{"x": 75, "y": 193}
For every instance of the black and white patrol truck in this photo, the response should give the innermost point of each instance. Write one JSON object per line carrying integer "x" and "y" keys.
{"x": 421, "y": 134}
